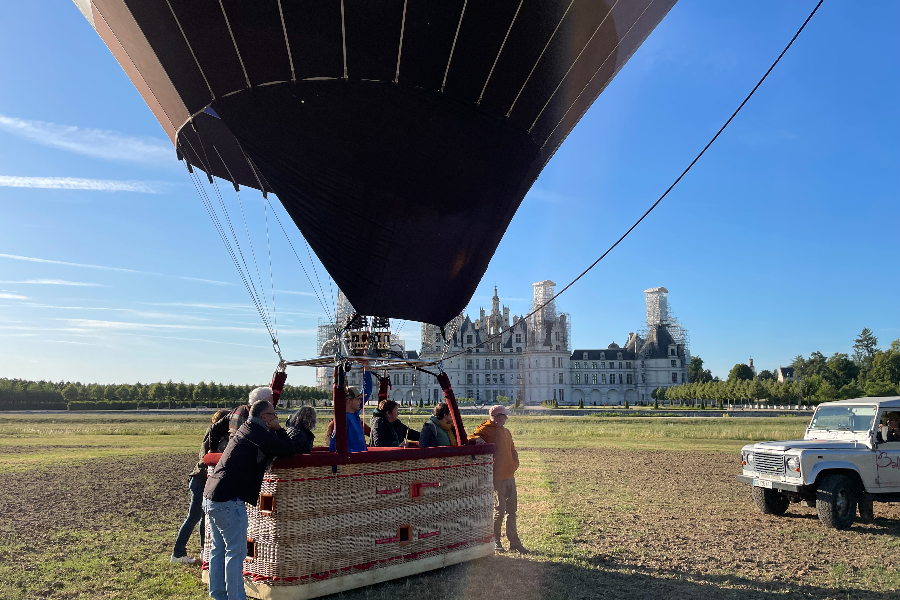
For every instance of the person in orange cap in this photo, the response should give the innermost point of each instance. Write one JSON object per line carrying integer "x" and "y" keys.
{"x": 506, "y": 461}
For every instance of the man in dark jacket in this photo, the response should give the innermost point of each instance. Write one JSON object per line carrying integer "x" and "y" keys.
{"x": 438, "y": 430}
{"x": 235, "y": 480}
{"x": 387, "y": 429}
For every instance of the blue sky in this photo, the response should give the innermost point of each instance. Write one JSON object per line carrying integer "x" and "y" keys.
{"x": 781, "y": 241}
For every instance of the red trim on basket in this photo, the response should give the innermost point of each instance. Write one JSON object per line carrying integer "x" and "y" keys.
{"x": 391, "y": 491}
{"x": 437, "y": 484}
{"x": 430, "y": 534}
{"x": 388, "y": 540}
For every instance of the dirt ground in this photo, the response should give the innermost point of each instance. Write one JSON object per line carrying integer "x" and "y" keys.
{"x": 629, "y": 524}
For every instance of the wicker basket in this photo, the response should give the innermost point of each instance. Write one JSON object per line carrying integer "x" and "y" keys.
{"x": 327, "y": 522}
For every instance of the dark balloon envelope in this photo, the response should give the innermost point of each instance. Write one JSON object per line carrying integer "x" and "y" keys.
{"x": 400, "y": 135}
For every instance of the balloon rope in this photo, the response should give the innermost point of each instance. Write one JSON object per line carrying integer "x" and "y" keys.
{"x": 666, "y": 193}
{"x": 210, "y": 209}
{"x": 302, "y": 266}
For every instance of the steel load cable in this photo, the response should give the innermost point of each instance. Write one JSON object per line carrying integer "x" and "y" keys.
{"x": 660, "y": 199}
{"x": 210, "y": 209}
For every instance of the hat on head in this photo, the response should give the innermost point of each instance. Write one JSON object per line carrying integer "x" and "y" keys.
{"x": 352, "y": 392}
{"x": 498, "y": 409}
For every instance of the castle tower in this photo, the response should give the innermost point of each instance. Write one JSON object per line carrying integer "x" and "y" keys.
{"x": 657, "y": 306}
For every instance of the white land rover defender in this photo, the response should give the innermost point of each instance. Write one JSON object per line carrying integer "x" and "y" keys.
{"x": 846, "y": 459}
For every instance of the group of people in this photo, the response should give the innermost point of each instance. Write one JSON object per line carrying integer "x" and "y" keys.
{"x": 250, "y": 437}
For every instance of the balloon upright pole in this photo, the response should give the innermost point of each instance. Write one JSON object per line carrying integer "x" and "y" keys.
{"x": 444, "y": 382}
{"x": 340, "y": 411}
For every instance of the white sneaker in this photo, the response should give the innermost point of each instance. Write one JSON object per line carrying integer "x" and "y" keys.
{"x": 183, "y": 559}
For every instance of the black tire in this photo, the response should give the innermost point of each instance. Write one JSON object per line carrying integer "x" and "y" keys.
{"x": 836, "y": 501}
{"x": 770, "y": 502}
{"x": 866, "y": 507}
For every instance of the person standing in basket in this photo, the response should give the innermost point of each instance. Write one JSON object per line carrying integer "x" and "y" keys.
{"x": 506, "y": 461}
{"x": 387, "y": 429}
{"x": 438, "y": 429}
{"x": 235, "y": 480}
{"x": 214, "y": 441}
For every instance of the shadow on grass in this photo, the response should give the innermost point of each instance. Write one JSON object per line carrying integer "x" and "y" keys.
{"x": 510, "y": 578}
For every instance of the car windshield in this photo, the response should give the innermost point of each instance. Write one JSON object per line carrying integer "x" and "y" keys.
{"x": 844, "y": 418}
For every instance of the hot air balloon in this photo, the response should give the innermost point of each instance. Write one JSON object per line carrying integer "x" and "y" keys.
{"x": 429, "y": 118}
{"x": 432, "y": 118}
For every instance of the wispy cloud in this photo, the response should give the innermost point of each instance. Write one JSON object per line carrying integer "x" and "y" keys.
{"x": 7, "y": 296}
{"x": 56, "y": 282}
{"x": 96, "y": 324}
{"x": 71, "y": 264}
{"x": 98, "y": 143}
{"x": 212, "y": 281}
{"x": 75, "y": 183}
{"x": 102, "y": 268}
{"x": 550, "y": 196}
{"x": 296, "y": 293}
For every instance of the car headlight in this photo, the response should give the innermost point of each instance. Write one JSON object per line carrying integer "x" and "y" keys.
{"x": 748, "y": 458}
{"x": 793, "y": 464}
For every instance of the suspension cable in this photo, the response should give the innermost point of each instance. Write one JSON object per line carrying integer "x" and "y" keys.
{"x": 302, "y": 266}
{"x": 666, "y": 193}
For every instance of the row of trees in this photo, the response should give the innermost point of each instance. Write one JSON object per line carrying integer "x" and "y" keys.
{"x": 18, "y": 394}
{"x": 869, "y": 372}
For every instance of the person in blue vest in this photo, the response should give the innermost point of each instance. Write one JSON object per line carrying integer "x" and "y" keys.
{"x": 356, "y": 438}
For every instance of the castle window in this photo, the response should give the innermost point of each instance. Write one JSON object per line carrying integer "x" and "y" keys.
{"x": 602, "y": 355}
{"x": 628, "y": 379}
{"x": 603, "y": 365}
{"x": 673, "y": 362}
{"x": 518, "y": 349}
{"x": 620, "y": 364}
{"x": 594, "y": 379}
{"x": 501, "y": 363}
{"x": 518, "y": 338}
{"x": 593, "y": 365}
{"x": 628, "y": 365}
{"x": 487, "y": 364}
{"x": 405, "y": 379}
{"x": 468, "y": 339}
{"x": 495, "y": 363}
{"x": 553, "y": 360}
{"x": 672, "y": 351}
{"x": 619, "y": 356}
{"x": 603, "y": 378}
{"x": 674, "y": 377}
{"x": 620, "y": 379}
{"x": 502, "y": 378}
{"x": 584, "y": 355}
{"x": 561, "y": 378}
{"x": 577, "y": 378}
{"x": 396, "y": 379}
{"x": 476, "y": 363}
{"x": 495, "y": 378}
{"x": 468, "y": 363}
{"x": 469, "y": 379}
{"x": 477, "y": 379}
{"x": 577, "y": 365}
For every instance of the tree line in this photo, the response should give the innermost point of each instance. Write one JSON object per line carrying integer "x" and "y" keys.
{"x": 20, "y": 394}
{"x": 871, "y": 371}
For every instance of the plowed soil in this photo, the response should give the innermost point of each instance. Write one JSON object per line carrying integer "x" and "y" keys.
{"x": 632, "y": 524}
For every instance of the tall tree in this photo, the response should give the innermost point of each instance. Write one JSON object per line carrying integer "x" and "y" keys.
{"x": 766, "y": 375}
{"x": 864, "y": 347}
{"x": 740, "y": 372}
{"x": 841, "y": 370}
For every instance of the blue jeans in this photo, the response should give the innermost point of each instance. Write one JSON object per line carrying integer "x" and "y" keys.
{"x": 227, "y": 523}
{"x": 195, "y": 515}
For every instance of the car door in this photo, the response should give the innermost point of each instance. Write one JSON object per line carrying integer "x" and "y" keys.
{"x": 887, "y": 464}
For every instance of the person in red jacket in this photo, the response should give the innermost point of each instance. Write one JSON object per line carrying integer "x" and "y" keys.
{"x": 506, "y": 461}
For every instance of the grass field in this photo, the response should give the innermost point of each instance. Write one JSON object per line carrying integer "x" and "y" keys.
{"x": 611, "y": 507}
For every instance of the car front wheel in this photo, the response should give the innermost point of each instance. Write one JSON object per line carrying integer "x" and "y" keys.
{"x": 770, "y": 502}
{"x": 836, "y": 501}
